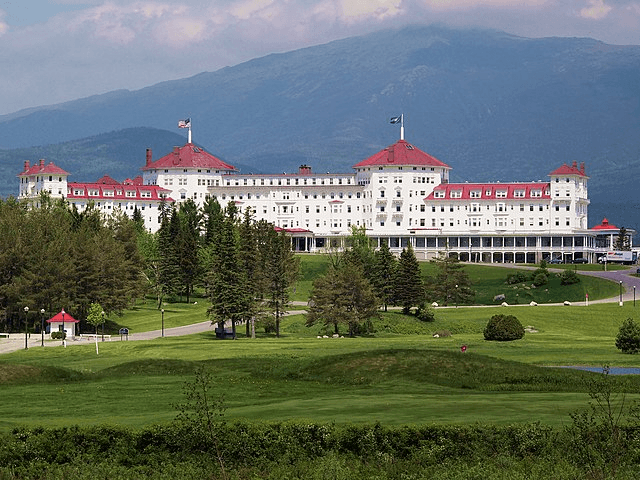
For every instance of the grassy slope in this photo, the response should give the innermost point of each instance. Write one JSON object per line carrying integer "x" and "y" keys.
{"x": 391, "y": 378}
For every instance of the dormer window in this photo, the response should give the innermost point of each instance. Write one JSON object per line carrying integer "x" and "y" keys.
{"x": 475, "y": 194}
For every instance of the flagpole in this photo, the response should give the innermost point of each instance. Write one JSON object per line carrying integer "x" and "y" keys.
{"x": 401, "y": 126}
{"x": 189, "y": 132}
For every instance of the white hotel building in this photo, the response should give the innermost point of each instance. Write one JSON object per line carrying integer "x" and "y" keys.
{"x": 400, "y": 195}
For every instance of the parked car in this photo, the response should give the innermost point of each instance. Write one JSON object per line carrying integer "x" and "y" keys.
{"x": 555, "y": 261}
{"x": 580, "y": 260}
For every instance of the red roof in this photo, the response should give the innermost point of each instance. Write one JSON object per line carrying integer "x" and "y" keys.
{"x": 292, "y": 230}
{"x": 41, "y": 169}
{"x": 570, "y": 170}
{"x": 605, "y": 225}
{"x": 490, "y": 191}
{"x": 402, "y": 153}
{"x": 188, "y": 156}
{"x": 67, "y": 318}
{"x": 117, "y": 191}
{"x": 107, "y": 180}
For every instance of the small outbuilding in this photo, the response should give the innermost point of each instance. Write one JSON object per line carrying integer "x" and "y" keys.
{"x": 63, "y": 321}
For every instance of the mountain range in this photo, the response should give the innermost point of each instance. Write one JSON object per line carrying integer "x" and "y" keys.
{"x": 493, "y": 106}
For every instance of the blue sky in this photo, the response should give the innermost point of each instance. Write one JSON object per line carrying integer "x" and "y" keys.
{"x": 58, "y": 50}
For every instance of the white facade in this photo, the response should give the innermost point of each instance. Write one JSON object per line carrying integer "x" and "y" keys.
{"x": 400, "y": 195}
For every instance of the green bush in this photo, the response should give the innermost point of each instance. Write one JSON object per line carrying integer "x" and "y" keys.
{"x": 540, "y": 280}
{"x": 628, "y": 338}
{"x": 503, "y": 328}
{"x": 569, "y": 277}
{"x": 58, "y": 335}
{"x": 517, "y": 277}
{"x": 424, "y": 313}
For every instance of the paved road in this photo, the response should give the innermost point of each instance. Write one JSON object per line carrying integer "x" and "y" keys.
{"x": 35, "y": 341}
{"x": 17, "y": 342}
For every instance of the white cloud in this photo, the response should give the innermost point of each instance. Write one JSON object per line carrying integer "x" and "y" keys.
{"x": 466, "y": 4}
{"x": 245, "y": 9}
{"x": 378, "y": 9}
{"x": 596, "y": 10}
{"x": 3, "y": 26}
{"x": 114, "y": 44}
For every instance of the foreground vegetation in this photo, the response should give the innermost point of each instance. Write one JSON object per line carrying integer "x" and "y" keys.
{"x": 397, "y": 403}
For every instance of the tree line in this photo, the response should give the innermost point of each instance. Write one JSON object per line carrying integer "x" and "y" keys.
{"x": 54, "y": 257}
{"x": 361, "y": 279}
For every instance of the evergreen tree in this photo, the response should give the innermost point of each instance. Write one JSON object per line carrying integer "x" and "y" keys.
{"x": 451, "y": 284}
{"x": 227, "y": 283}
{"x": 168, "y": 267}
{"x": 360, "y": 252}
{"x": 384, "y": 270}
{"x": 622, "y": 240}
{"x": 408, "y": 284}
{"x": 342, "y": 296}
{"x": 187, "y": 246}
{"x": 281, "y": 270}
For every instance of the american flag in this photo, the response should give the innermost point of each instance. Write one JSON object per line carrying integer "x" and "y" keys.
{"x": 184, "y": 123}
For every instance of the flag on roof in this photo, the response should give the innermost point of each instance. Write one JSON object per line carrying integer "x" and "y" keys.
{"x": 395, "y": 119}
{"x": 184, "y": 123}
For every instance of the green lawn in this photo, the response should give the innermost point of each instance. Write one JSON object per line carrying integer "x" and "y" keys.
{"x": 488, "y": 281}
{"x": 392, "y": 376}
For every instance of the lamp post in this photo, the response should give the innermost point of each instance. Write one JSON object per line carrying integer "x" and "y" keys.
{"x": 620, "y": 292}
{"x": 162, "y": 313}
{"x": 26, "y": 312}
{"x": 456, "y": 296}
{"x": 103, "y": 325}
{"x": 634, "y": 295}
{"x": 64, "y": 335}
{"x": 42, "y": 325}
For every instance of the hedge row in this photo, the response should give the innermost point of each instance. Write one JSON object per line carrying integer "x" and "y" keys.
{"x": 260, "y": 446}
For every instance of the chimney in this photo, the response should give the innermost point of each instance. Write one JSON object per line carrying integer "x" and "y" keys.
{"x": 42, "y": 163}
{"x": 176, "y": 155}
{"x": 26, "y": 165}
{"x": 390, "y": 157}
{"x": 574, "y": 165}
{"x": 304, "y": 170}
{"x": 582, "y": 168}
{"x": 148, "y": 157}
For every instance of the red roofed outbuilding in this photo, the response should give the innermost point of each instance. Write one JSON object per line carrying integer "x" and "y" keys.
{"x": 63, "y": 318}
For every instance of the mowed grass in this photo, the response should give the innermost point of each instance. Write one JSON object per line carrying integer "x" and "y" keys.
{"x": 487, "y": 280}
{"x": 399, "y": 375}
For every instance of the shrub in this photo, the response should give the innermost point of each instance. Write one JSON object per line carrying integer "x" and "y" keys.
{"x": 540, "y": 275}
{"x": 425, "y": 314}
{"x": 628, "y": 338}
{"x": 540, "y": 279}
{"x": 58, "y": 335}
{"x": 503, "y": 328}
{"x": 569, "y": 277}
{"x": 517, "y": 277}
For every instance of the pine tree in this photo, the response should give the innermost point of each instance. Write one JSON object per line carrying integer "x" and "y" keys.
{"x": 384, "y": 269}
{"x": 281, "y": 270}
{"x": 408, "y": 284}
{"x": 342, "y": 296}
{"x": 622, "y": 240}
{"x": 451, "y": 284}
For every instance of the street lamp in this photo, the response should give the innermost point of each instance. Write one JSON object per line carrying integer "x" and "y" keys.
{"x": 64, "y": 335}
{"x": 620, "y": 292}
{"x": 42, "y": 325}
{"x": 103, "y": 325}
{"x": 162, "y": 312}
{"x": 634, "y": 295}
{"x": 456, "y": 296}
{"x": 26, "y": 312}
